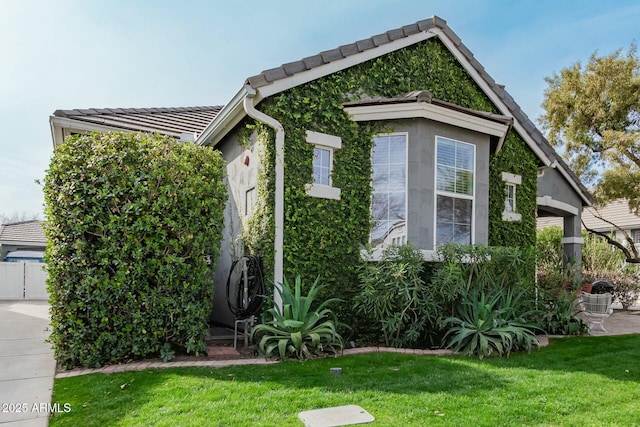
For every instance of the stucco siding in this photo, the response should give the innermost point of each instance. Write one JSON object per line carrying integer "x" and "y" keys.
{"x": 422, "y": 135}
{"x": 241, "y": 177}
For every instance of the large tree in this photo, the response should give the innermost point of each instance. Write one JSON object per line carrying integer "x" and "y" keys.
{"x": 593, "y": 116}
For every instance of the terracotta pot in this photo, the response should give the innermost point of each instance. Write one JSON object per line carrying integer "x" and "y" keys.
{"x": 586, "y": 287}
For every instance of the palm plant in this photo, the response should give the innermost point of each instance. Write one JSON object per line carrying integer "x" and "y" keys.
{"x": 298, "y": 330}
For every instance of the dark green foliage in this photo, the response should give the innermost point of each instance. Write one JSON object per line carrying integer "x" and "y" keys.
{"x": 558, "y": 314}
{"x": 395, "y": 299}
{"x": 491, "y": 323}
{"x": 299, "y": 330}
{"x": 515, "y": 158}
{"x": 323, "y": 237}
{"x": 133, "y": 227}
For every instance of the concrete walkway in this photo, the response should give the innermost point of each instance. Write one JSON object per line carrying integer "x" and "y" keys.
{"x": 27, "y": 366}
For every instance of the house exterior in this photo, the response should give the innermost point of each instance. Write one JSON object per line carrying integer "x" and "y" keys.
{"x": 24, "y": 240}
{"x": 401, "y": 137}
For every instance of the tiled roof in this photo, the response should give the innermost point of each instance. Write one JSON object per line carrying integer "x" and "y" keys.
{"x": 26, "y": 231}
{"x": 167, "y": 121}
{"x": 270, "y": 76}
{"x": 617, "y": 212}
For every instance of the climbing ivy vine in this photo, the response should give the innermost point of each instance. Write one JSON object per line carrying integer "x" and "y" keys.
{"x": 324, "y": 237}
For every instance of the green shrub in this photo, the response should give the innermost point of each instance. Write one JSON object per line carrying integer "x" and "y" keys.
{"x": 493, "y": 323}
{"x": 394, "y": 297}
{"x": 133, "y": 227}
{"x": 558, "y": 314}
{"x": 298, "y": 330}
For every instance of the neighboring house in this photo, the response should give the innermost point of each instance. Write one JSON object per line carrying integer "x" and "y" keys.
{"x": 22, "y": 241}
{"x": 401, "y": 137}
{"x": 610, "y": 218}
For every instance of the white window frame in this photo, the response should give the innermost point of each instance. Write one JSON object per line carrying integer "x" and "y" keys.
{"x": 406, "y": 182}
{"x": 512, "y": 181}
{"x": 330, "y": 143}
{"x": 437, "y": 192}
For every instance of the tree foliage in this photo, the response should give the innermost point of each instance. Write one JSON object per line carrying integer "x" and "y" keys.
{"x": 594, "y": 114}
{"x": 133, "y": 226}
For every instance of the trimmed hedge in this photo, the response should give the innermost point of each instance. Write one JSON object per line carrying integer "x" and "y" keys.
{"x": 134, "y": 223}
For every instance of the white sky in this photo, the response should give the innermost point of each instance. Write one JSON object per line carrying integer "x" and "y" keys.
{"x": 64, "y": 54}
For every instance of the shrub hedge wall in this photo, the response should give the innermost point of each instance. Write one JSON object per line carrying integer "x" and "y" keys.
{"x": 133, "y": 227}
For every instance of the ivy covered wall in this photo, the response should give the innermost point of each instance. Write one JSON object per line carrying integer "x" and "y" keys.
{"x": 323, "y": 237}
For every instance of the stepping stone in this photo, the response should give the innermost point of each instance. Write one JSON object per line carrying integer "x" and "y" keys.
{"x": 336, "y": 416}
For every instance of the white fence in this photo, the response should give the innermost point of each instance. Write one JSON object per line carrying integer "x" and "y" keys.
{"x": 23, "y": 281}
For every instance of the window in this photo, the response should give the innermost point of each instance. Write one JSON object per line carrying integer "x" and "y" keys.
{"x": 389, "y": 198}
{"x": 510, "y": 212}
{"x": 455, "y": 191}
{"x": 635, "y": 235}
{"x": 510, "y": 198}
{"x": 249, "y": 201}
{"x": 321, "y": 166}
{"x": 321, "y": 181}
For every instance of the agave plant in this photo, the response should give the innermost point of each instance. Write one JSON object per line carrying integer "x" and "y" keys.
{"x": 298, "y": 330}
{"x": 490, "y": 324}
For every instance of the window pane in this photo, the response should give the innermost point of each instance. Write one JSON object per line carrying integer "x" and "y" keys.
{"x": 446, "y": 152}
{"x": 462, "y": 211}
{"x": 464, "y": 157}
{"x": 444, "y": 233}
{"x": 455, "y": 166}
{"x": 397, "y": 177}
{"x": 321, "y": 166}
{"x": 453, "y": 220}
{"x": 444, "y": 209}
{"x": 446, "y": 178}
{"x": 397, "y": 206}
{"x": 380, "y": 150}
{"x": 464, "y": 182}
{"x": 389, "y": 180}
{"x": 397, "y": 151}
{"x": 380, "y": 206}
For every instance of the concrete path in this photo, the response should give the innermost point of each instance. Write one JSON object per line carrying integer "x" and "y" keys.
{"x": 27, "y": 366}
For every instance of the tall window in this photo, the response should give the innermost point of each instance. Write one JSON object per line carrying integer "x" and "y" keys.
{"x": 389, "y": 199}
{"x": 455, "y": 170}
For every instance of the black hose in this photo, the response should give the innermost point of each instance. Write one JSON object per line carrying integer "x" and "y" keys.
{"x": 256, "y": 291}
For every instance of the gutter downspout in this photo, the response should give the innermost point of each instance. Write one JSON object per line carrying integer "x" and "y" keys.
{"x": 279, "y": 196}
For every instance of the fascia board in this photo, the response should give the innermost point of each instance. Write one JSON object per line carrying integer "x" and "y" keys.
{"x": 230, "y": 115}
{"x": 427, "y": 111}
{"x": 77, "y": 125}
{"x": 504, "y": 109}
{"x": 22, "y": 243}
{"x": 342, "y": 64}
{"x": 557, "y": 204}
{"x": 491, "y": 94}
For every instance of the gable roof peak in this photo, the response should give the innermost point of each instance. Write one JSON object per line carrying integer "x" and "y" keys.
{"x": 290, "y": 69}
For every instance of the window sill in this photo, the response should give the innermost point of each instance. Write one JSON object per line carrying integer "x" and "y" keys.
{"x": 511, "y": 216}
{"x": 323, "y": 191}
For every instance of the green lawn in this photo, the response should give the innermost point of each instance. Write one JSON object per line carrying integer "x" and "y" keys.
{"x": 588, "y": 381}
